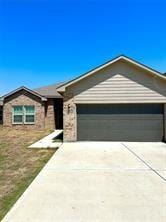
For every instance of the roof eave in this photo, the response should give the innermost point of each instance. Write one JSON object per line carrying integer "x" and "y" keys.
{"x": 62, "y": 88}
{"x": 26, "y": 89}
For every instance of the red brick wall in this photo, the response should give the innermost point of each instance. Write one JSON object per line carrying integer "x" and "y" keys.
{"x": 50, "y": 115}
{"x": 24, "y": 98}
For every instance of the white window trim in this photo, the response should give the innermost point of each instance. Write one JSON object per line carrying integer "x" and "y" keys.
{"x": 13, "y": 114}
{"x": 23, "y": 115}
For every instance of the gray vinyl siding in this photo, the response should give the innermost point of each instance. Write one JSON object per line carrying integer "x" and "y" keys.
{"x": 120, "y": 83}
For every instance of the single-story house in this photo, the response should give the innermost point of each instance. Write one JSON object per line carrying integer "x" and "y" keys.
{"x": 37, "y": 109}
{"x": 121, "y": 100}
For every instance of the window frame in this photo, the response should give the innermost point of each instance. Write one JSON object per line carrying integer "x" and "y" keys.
{"x": 24, "y": 114}
{"x": 13, "y": 114}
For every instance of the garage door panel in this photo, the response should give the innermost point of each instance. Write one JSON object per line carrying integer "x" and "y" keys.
{"x": 120, "y": 109}
{"x": 106, "y": 125}
{"x": 130, "y": 118}
{"x": 119, "y": 117}
{"x": 129, "y": 136}
{"x": 123, "y": 125}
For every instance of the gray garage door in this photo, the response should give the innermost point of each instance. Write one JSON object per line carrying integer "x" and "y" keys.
{"x": 131, "y": 122}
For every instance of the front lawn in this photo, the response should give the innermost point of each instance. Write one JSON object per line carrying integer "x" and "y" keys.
{"x": 18, "y": 165}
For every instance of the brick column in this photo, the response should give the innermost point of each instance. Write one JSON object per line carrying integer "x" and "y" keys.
{"x": 69, "y": 118}
{"x": 50, "y": 115}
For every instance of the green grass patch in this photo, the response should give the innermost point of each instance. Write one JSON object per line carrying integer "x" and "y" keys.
{"x": 19, "y": 165}
{"x": 9, "y": 200}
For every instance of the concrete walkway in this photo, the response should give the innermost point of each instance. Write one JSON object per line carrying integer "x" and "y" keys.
{"x": 48, "y": 141}
{"x": 98, "y": 182}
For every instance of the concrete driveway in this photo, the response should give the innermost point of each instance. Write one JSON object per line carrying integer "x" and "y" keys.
{"x": 98, "y": 182}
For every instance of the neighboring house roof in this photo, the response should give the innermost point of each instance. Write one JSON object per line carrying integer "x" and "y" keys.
{"x": 121, "y": 57}
{"x": 50, "y": 91}
{"x": 27, "y": 90}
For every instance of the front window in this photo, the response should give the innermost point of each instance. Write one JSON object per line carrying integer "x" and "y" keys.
{"x": 18, "y": 114}
{"x": 29, "y": 114}
{"x": 23, "y": 114}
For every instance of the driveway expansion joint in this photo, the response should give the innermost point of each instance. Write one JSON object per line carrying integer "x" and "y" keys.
{"x": 143, "y": 161}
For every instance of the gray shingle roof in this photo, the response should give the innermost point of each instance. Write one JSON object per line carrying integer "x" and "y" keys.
{"x": 49, "y": 91}
{"x": 23, "y": 88}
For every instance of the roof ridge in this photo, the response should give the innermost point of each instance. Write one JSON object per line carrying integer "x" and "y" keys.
{"x": 54, "y": 84}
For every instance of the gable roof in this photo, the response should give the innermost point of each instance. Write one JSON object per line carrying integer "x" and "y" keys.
{"x": 50, "y": 91}
{"x": 121, "y": 57}
{"x": 27, "y": 90}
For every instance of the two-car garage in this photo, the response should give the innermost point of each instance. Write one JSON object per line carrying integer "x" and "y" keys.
{"x": 121, "y": 100}
{"x": 120, "y": 122}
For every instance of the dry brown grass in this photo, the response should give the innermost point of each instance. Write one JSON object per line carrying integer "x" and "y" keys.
{"x": 18, "y": 165}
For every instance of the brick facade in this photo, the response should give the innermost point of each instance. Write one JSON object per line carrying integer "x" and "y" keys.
{"x": 69, "y": 118}
{"x": 49, "y": 115}
{"x": 24, "y": 98}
